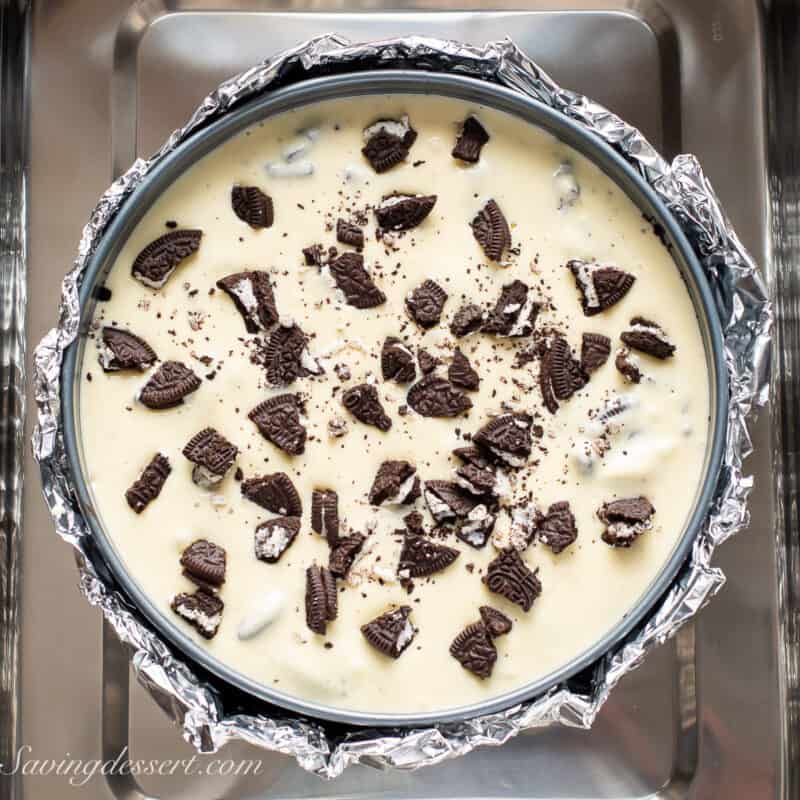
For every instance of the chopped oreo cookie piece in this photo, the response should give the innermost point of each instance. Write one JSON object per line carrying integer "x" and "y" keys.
{"x": 212, "y": 455}
{"x": 278, "y": 420}
{"x": 625, "y": 520}
{"x": 514, "y": 314}
{"x": 477, "y": 526}
{"x": 475, "y": 480}
{"x": 425, "y": 304}
{"x": 470, "y": 142}
{"x": 437, "y": 397}
{"x": 314, "y": 255}
{"x": 168, "y": 385}
{"x": 204, "y": 563}
{"x": 397, "y": 361}
{"x": 124, "y": 350}
{"x": 491, "y": 231}
{"x": 560, "y": 375}
{"x": 365, "y": 405}
{"x": 396, "y": 483}
{"x": 462, "y": 374}
{"x": 349, "y": 233}
{"x": 275, "y": 493}
{"x": 601, "y": 286}
{"x": 427, "y": 362}
{"x": 557, "y": 528}
{"x": 421, "y": 557}
{"x": 468, "y": 319}
{"x": 274, "y": 537}
{"x": 156, "y": 263}
{"x": 474, "y": 649}
{"x": 253, "y": 297}
{"x": 149, "y": 484}
{"x": 509, "y": 576}
{"x": 628, "y": 365}
{"x": 648, "y": 337}
{"x": 595, "y": 350}
{"x": 355, "y": 283}
{"x": 474, "y": 456}
{"x": 344, "y": 552}
{"x": 507, "y": 438}
{"x": 321, "y": 598}
{"x": 286, "y": 356}
{"x": 252, "y": 206}
{"x": 414, "y": 523}
{"x": 496, "y": 622}
{"x": 401, "y": 212}
{"x": 388, "y": 142}
{"x": 325, "y": 514}
{"x": 446, "y": 500}
{"x": 391, "y": 633}
{"x": 202, "y": 610}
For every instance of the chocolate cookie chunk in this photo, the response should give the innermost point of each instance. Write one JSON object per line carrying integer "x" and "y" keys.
{"x": 470, "y": 142}
{"x": 507, "y": 438}
{"x": 355, "y": 283}
{"x": 395, "y": 482}
{"x": 325, "y": 514}
{"x": 253, "y": 297}
{"x": 625, "y": 520}
{"x": 514, "y": 313}
{"x": 475, "y": 480}
{"x": 648, "y": 337}
{"x": 427, "y": 362}
{"x": 278, "y": 420}
{"x": 212, "y": 455}
{"x": 595, "y": 350}
{"x": 204, "y": 563}
{"x": 391, "y": 633}
{"x": 388, "y": 142}
{"x": 600, "y": 286}
{"x": 491, "y": 231}
{"x": 321, "y": 599}
{"x": 364, "y": 404}
{"x": 401, "y": 212}
{"x": 421, "y": 557}
{"x": 397, "y": 361}
{"x": 462, "y": 374}
{"x": 274, "y": 492}
{"x": 560, "y": 375}
{"x": 496, "y": 622}
{"x": 252, "y": 206}
{"x": 425, "y": 304}
{"x": 344, "y": 553}
{"x": 349, "y": 233}
{"x": 627, "y": 364}
{"x": 446, "y": 500}
{"x": 557, "y": 528}
{"x": 156, "y": 263}
{"x": 508, "y": 576}
{"x": 476, "y": 527}
{"x": 168, "y": 385}
{"x": 274, "y": 537}
{"x": 202, "y": 610}
{"x": 148, "y": 485}
{"x": 437, "y": 397}
{"x": 314, "y": 256}
{"x": 286, "y": 356}
{"x": 474, "y": 649}
{"x": 474, "y": 456}
{"x": 468, "y": 319}
{"x": 124, "y": 350}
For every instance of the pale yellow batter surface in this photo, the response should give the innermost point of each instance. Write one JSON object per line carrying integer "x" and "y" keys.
{"x": 658, "y": 452}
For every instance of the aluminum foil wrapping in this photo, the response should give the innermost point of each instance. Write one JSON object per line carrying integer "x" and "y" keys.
{"x": 197, "y": 706}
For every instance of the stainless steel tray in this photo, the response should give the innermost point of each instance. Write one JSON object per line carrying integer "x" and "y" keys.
{"x": 706, "y": 716}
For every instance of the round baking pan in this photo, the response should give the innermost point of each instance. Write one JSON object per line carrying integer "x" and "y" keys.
{"x": 399, "y": 82}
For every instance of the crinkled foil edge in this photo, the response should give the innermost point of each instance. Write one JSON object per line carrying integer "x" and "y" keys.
{"x": 747, "y": 320}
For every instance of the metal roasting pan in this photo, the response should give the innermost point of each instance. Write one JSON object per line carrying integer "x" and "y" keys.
{"x": 394, "y": 82}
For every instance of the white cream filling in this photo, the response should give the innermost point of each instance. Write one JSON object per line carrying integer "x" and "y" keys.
{"x": 262, "y": 613}
{"x": 294, "y": 169}
{"x": 406, "y": 635}
{"x": 204, "y": 477}
{"x": 392, "y": 127}
{"x": 271, "y": 543}
{"x": 438, "y": 508}
{"x": 206, "y": 622}
{"x": 585, "y": 272}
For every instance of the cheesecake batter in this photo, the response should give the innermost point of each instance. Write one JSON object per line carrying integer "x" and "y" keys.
{"x": 613, "y": 438}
